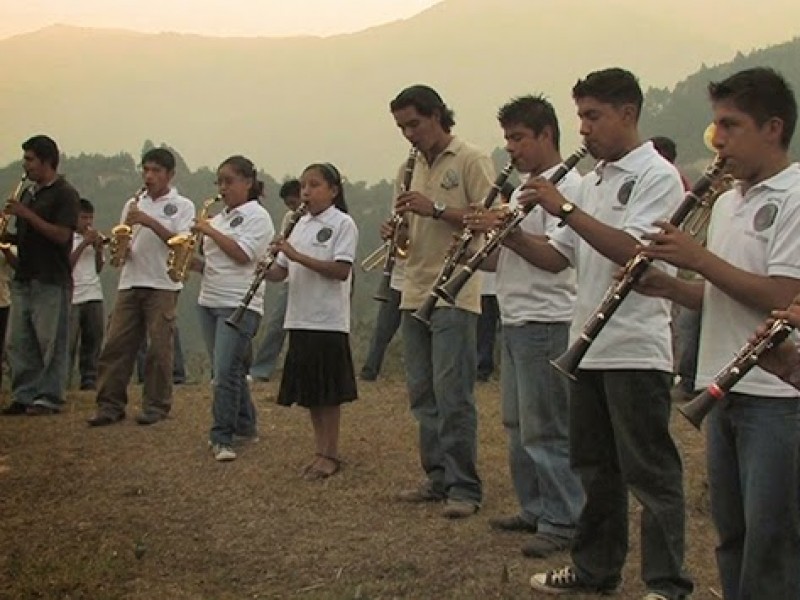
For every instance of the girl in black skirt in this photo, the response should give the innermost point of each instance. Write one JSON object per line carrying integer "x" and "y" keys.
{"x": 317, "y": 258}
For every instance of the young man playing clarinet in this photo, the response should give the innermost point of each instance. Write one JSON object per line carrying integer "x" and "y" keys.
{"x": 536, "y": 308}
{"x": 750, "y": 267}
{"x": 619, "y": 405}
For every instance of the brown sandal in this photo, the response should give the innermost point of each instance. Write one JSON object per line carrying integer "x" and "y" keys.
{"x": 315, "y": 473}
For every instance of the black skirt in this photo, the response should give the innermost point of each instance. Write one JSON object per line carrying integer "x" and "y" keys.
{"x": 318, "y": 370}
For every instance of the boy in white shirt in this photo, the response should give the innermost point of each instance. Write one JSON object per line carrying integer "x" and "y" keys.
{"x": 86, "y": 320}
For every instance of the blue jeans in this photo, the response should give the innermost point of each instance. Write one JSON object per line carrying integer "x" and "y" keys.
{"x": 487, "y": 333}
{"x": 232, "y": 408}
{"x": 86, "y": 331}
{"x": 620, "y": 441}
{"x": 440, "y": 373}
{"x": 753, "y": 469}
{"x": 267, "y": 354}
{"x": 37, "y": 351}
{"x": 535, "y": 414}
{"x": 386, "y": 325}
{"x": 687, "y": 342}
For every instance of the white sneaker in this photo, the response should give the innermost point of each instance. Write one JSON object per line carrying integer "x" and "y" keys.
{"x": 223, "y": 453}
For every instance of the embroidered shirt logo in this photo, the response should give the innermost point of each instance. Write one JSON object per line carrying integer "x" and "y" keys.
{"x": 624, "y": 192}
{"x": 170, "y": 209}
{"x": 450, "y": 180}
{"x": 237, "y": 220}
{"x": 324, "y": 234}
{"x": 765, "y": 217}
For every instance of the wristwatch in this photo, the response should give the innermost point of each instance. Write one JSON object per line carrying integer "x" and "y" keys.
{"x": 566, "y": 210}
{"x": 438, "y": 209}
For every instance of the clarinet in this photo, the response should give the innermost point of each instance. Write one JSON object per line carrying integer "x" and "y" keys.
{"x": 747, "y": 358}
{"x": 261, "y": 270}
{"x": 568, "y": 362}
{"x": 460, "y": 248}
{"x": 393, "y": 245}
{"x": 450, "y": 289}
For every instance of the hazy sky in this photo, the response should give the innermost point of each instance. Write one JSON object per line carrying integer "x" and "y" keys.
{"x": 210, "y": 17}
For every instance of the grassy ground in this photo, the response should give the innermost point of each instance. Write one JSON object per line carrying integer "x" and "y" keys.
{"x": 146, "y": 513}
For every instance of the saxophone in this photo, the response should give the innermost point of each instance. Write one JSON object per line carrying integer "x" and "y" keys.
{"x": 5, "y": 216}
{"x": 183, "y": 245}
{"x": 122, "y": 236}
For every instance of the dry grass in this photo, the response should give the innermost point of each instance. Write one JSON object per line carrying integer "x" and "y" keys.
{"x": 146, "y": 513}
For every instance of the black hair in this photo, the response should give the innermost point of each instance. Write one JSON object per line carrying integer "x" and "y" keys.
{"x": 613, "y": 86}
{"x": 290, "y": 187}
{"x": 244, "y": 166}
{"x": 666, "y": 147}
{"x": 161, "y": 156}
{"x": 44, "y": 148}
{"x": 427, "y": 102}
{"x": 332, "y": 176}
{"x": 763, "y": 94}
{"x": 534, "y": 112}
{"x": 86, "y": 206}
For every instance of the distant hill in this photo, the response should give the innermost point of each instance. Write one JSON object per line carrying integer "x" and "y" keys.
{"x": 288, "y": 101}
{"x": 684, "y": 112}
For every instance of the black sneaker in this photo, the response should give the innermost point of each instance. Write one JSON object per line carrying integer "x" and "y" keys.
{"x": 565, "y": 581}
{"x": 513, "y": 523}
{"x": 14, "y": 409}
{"x": 104, "y": 419}
{"x": 148, "y": 418}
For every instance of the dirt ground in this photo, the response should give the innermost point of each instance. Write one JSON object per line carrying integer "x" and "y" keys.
{"x": 146, "y": 513}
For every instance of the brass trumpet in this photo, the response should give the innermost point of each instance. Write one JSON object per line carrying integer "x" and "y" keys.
{"x": 122, "y": 236}
{"x": 5, "y": 216}
{"x": 182, "y": 246}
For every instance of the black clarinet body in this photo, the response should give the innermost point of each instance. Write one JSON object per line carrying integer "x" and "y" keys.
{"x": 696, "y": 409}
{"x": 449, "y": 289}
{"x": 261, "y": 269}
{"x": 460, "y": 249}
{"x": 384, "y": 292}
{"x": 568, "y": 362}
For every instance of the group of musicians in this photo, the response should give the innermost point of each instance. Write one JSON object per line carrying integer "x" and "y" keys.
{"x": 576, "y": 448}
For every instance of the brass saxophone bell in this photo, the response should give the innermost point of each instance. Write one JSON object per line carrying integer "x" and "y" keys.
{"x": 708, "y": 136}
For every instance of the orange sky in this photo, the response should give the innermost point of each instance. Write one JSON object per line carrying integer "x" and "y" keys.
{"x": 210, "y": 17}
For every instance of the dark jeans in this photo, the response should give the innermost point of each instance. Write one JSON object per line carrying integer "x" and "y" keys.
{"x": 266, "y": 357}
{"x": 754, "y": 475}
{"x": 178, "y": 366}
{"x": 687, "y": 341}
{"x": 386, "y": 325}
{"x": 620, "y": 441}
{"x": 86, "y": 323}
{"x": 487, "y": 333}
{"x": 4, "y": 310}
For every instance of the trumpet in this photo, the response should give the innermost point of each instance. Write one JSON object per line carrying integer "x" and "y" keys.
{"x": 261, "y": 269}
{"x": 568, "y": 362}
{"x": 450, "y": 289}
{"x": 398, "y": 244}
{"x": 459, "y": 250}
{"x": 183, "y": 245}
{"x": 5, "y": 216}
{"x": 696, "y": 409}
{"x": 122, "y": 235}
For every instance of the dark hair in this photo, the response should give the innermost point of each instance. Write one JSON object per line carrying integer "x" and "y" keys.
{"x": 427, "y": 102}
{"x": 665, "y": 147}
{"x": 244, "y": 166}
{"x": 161, "y": 156}
{"x": 290, "y": 187}
{"x": 534, "y": 112}
{"x": 763, "y": 94}
{"x": 44, "y": 148}
{"x": 613, "y": 86}
{"x": 86, "y": 206}
{"x": 331, "y": 175}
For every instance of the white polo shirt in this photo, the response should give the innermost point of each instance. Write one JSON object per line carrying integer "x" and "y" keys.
{"x": 147, "y": 262}
{"x": 760, "y": 233}
{"x": 317, "y": 302}
{"x": 225, "y": 281}
{"x": 525, "y": 292}
{"x": 85, "y": 279}
{"x": 628, "y": 194}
